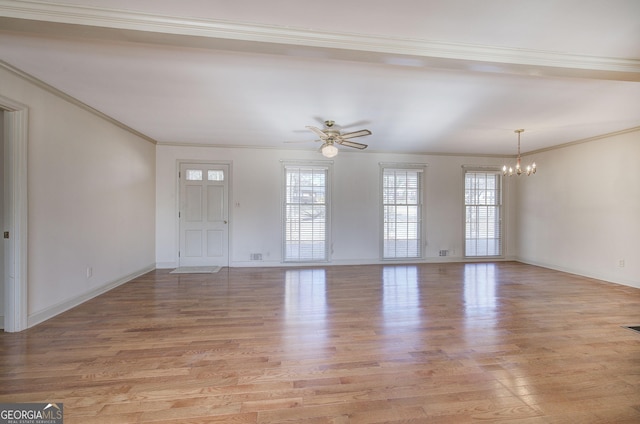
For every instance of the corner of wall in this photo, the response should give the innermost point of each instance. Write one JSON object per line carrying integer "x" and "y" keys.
{"x": 39, "y": 317}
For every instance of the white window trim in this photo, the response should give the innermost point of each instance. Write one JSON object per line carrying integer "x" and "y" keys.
{"x": 492, "y": 169}
{"x": 422, "y": 168}
{"x": 328, "y": 165}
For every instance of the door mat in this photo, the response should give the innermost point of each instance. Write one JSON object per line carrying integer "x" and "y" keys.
{"x": 196, "y": 270}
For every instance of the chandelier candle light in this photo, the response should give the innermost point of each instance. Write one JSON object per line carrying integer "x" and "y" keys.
{"x": 531, "y": 169}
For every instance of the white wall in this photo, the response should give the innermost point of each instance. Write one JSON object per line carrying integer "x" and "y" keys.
{"x": 581, "y": 211}
{"x": 91, "y": 195}
{"x": 256, "y": 186}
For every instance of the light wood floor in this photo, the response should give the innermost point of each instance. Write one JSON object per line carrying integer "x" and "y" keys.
{"x": 453, "y": 343}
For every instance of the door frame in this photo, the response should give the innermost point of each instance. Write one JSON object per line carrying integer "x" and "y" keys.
{"x": 228, "y": 164}
{"x": 16, "y": 123}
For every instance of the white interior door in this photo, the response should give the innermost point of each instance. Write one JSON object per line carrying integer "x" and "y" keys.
{"x": 204, "y": 214}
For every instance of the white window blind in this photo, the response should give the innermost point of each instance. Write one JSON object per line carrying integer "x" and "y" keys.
{"x": 305, "y": 213}
{"x": 483, "y": 213}
{"x": 402, "y": 212}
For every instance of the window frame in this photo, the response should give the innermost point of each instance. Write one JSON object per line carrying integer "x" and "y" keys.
{"x": 327, "y": 167}
{"x": 499, "y": 207}
{"x": 420, "y": 170}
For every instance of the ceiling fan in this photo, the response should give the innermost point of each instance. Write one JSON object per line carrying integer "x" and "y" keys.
{"x": 331, "y": 136}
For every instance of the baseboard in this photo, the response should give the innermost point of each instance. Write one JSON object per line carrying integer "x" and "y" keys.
{"x": 582, "y": 273}
{"x": 348, "y": 262}
{"x": 166, "y": 265}
{"x": 54, "y": 310}
{"x": 1, "y": 322}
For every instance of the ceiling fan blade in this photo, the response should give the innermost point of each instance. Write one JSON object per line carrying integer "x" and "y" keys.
{"x": 355, "y": 124}
{"x": 319, "y": 132}
{"x": 354, "y": 134}
{"x": 320, "y": 120}
{"x": 352, "y": 144}
{"x": 300, "y": 141}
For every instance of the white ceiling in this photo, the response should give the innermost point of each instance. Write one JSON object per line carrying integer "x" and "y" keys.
{"x": 425, "y": 76}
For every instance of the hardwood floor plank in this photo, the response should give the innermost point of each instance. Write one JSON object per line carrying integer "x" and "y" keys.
{"x": 429, "y": 343}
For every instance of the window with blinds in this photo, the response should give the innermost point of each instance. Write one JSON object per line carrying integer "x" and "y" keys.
{"x": 483, "y": 213}
{"x": 306, "y": 213}
{"x": 401, "y": 213}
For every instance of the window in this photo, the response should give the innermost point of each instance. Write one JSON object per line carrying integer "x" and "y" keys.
{"x": 215, "y": 175}
{"x": 194, "y": 174}
{"x": 306, "y": 213}
{"x": 401, "y": 213}
{"x": 212, "y": 175}
{"x": 483, "y": 213}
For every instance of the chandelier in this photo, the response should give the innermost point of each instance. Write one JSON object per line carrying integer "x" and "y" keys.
{"x": 509, "y": 170}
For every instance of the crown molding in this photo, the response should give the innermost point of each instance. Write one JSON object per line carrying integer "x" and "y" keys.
{"x": 507, "y": 59}
{"x": 583, "y": 140}
{"x": 43, "y": 85}
{"x": 179, "y": 144}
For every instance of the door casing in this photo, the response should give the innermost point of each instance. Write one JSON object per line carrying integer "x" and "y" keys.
{"x": 181, "y": 259}
{"x": 16, "y": 119}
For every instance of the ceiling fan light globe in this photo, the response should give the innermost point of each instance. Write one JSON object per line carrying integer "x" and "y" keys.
{"x": 329, "y": 150}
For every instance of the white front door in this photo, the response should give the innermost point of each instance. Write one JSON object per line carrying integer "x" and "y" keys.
{"x": 204, "y": 214}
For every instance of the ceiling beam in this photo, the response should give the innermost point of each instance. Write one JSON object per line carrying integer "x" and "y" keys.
{"x": 139, "y": 26}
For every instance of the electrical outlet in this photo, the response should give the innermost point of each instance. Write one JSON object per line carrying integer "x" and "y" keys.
{"x": 620, "y": 263}
{"x": 89, "y": 272}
